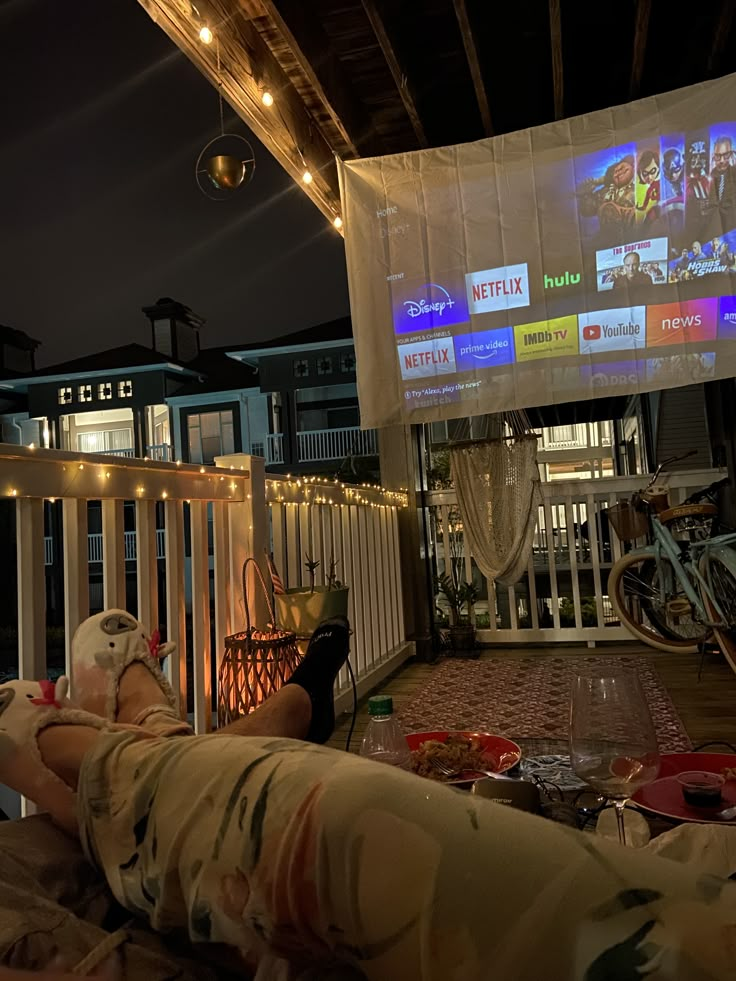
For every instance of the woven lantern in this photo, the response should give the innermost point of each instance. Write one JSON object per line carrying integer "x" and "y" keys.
{"x": 256, "y": 664}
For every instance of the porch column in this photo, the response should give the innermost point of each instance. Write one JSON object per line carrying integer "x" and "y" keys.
{"x": 401, "y": 455}
{"x": 288, "y": 422}
{"x": 139, "y": 431}
{"x": 719, "y": 402}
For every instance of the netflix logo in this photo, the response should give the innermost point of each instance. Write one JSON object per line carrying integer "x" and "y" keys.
{"x": 427, "y": 359}
{"x": 498, "y": 289}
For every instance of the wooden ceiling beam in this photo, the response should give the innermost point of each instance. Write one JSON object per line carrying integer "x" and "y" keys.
{"x": 286, "y": 129}
{"x": 720, "y": 36}
{"x": 312, "y": 50}
{"x": 471, "y": 54}
{"x": 378, "y": 24}
{"x": 641, "y": 32}
{"x": 555, "y": 31}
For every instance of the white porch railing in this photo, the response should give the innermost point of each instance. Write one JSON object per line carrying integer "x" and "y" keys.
{"x": 359, "y": 529}
{"x": 335, "y": 444}
{"x": 563, "y": 594}
{"x": 159, "y": 451}
{"x": 95, "y": 547}
{"x": 275, "y": 448}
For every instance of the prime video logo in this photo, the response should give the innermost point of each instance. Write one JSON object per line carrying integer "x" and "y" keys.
{"x": 426, "y": 307}
{"x": 483, "y": 352}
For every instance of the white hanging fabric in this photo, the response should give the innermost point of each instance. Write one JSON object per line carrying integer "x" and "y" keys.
{"x": 499, "y": 493}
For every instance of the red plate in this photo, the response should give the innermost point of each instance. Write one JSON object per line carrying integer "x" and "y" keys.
{"x": 664, "y": 796}
{"x": 501, "y": 753}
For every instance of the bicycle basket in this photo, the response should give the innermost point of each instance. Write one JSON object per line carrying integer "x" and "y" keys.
{"x": 628, "y": 523}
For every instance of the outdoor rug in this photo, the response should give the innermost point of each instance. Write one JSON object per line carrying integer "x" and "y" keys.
{"x": 528, "y": 698}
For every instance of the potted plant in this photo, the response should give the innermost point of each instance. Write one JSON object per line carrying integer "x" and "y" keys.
{"x": 459, "y": 595}
{"x": 303, "y": 608}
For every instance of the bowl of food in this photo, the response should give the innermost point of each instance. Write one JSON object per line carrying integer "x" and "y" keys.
{"x": 460, "y": 756}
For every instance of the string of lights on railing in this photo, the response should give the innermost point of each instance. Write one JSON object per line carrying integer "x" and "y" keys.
{"x": 231, "y": 173}
{"x": 116, "y": 482}
{"x": 310, "y": 490}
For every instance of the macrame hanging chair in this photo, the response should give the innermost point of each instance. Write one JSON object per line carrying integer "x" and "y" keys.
{"x": 499, "y": 493}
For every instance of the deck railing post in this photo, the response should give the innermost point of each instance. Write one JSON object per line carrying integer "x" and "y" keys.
{"x": 250, "y": 534}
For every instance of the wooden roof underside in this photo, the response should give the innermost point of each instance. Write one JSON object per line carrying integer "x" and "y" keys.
{"x": 370, "y": 77}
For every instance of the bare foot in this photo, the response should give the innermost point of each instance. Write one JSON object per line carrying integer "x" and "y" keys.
{"x": 138, "y": 690}
{"x": 63, "y": 748}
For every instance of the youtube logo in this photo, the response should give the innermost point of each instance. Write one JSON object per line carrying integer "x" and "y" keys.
{"x": 612, "y": 330}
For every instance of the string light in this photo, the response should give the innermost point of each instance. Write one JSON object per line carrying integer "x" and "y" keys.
{"x": 267, "y": 98}
{"x": 205, "y": 35}
{"x": 337, "y": 222}
{"x": 307, "y": 177}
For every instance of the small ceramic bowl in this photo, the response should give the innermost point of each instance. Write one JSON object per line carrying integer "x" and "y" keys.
{"x": 700, "y": 788}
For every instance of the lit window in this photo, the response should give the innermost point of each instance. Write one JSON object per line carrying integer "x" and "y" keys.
{"x": 104, "y": 390}
{"x": 324, "y": 366}
{"x": 85, "y": 393}
{"x": 347, "y": 362}
{"x": 65, "y": 396}
{"x": 125, "y": 389}
{"x": 301, "y": 368}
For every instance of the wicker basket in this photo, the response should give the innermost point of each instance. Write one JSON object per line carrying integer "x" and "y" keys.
{"x": 628, "y": 523}
{"x": 256, "y": 663}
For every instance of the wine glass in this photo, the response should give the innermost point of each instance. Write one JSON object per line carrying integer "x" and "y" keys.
{"x": 613, "y": 746}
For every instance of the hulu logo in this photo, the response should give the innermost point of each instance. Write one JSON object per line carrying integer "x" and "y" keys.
{"x": 567, "y": 279}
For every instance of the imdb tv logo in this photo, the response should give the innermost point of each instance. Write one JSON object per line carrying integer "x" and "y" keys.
{"x": 684, "y": 322}
{"x": 546, "y": 339}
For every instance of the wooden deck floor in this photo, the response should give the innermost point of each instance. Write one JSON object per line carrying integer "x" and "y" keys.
{"x": 706, "y": 707}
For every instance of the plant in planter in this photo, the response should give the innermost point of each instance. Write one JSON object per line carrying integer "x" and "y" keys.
{"x": 303, "y": 608}
{"x": 459, "y": 595}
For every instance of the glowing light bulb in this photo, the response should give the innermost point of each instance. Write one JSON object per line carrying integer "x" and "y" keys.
{"x": 307, "y": 177}
{"x": 205, "y": 35}
{"x": 267, "y": 98}
{"x": 337, "y": 222}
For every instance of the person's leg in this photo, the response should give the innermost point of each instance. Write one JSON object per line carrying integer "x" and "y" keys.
{"x": 324, "y": 858}
{"x": 303, "y": 709}
{"x": 287, "y": 713}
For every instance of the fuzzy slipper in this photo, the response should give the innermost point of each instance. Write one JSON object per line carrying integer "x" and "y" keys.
{"x": 27, "y": 707}
{"x": 102, "y": 648}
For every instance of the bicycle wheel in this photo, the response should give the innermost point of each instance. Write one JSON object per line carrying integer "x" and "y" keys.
{"x": 719, "y": 571}
{"x": 635, "y": 594}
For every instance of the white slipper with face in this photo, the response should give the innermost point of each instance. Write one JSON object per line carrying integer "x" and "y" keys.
{"x": 26, "y": 708}
{"x": 103, "y": 646}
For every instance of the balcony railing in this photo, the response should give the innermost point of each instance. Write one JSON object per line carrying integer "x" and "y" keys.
{"x": 579, "y": 436}
{"x": 275, "y": 448}
{"x": 563, "y": 594}
{"x": 336, "y": 444}
{"x": 212, "y": 523}
{"x": 157, "y": 451}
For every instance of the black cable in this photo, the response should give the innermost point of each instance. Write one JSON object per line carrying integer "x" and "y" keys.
{"x": 714, "y": 742}
{"x": 355, "y": 706}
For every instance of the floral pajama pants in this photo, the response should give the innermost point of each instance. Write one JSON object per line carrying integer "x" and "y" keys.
{"x": 317, "y": 864}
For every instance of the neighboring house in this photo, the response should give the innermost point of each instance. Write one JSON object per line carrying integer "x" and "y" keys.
{"x": 292, "y": 400}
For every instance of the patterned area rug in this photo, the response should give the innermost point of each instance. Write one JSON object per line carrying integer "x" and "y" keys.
{"x": 528, "y": 698}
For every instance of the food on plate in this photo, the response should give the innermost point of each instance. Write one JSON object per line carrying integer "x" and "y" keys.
{"x": 728, "y": 772}
{"x": 459, "y": 752}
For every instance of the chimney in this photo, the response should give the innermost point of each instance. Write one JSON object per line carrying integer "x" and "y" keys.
{"x": 174, "y": 329}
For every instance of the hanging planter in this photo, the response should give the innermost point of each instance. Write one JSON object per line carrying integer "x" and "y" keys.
{"x": 302, "y": 609}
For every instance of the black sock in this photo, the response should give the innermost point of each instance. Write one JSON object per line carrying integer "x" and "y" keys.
{"x": 327, "y": 652}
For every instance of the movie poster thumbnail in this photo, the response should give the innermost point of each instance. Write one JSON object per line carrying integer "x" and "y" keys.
{"x": 633, "y": 265}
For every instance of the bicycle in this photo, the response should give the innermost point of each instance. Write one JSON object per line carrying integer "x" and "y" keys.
{"x": 680, "y": 589}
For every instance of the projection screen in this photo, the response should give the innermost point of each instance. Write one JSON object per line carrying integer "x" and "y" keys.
{"x": 588, "y": 257}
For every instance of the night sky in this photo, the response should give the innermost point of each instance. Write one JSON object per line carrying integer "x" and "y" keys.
{"x": 103, "y": 120}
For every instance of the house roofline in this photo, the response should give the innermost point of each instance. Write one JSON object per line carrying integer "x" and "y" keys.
{"x": 24, "y": 383}
{"x": 247, "y": 354}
